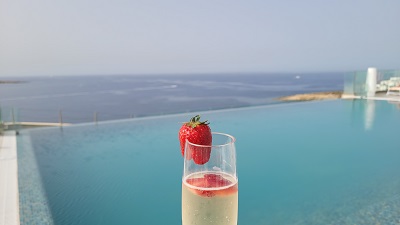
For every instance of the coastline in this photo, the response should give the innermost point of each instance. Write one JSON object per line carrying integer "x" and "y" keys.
{"x": 10, "y": 82}
{"x": 316, "y": 96}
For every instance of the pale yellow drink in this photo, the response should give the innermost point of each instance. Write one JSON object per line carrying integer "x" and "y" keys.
{"x": 214, "y": 203}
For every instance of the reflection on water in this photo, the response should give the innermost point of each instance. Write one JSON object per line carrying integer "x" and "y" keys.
{"x": 363, "y": 112}
{"x": 369, "y": 115}
{"x": 397, "y": 104}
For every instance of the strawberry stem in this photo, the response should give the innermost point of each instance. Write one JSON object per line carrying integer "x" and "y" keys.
{"x": 195, "y": 121}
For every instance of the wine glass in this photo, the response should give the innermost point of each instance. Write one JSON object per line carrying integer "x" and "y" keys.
{"x": 209, "y": 182}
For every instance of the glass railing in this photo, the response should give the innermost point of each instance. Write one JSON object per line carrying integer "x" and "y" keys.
{"x": 9, "y": 119}
{"x": 355, "y": 82}
{"x": 14, "y": 118}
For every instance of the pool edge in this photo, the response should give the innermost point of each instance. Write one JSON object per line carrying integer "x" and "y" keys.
{"x": 9, "y": 194}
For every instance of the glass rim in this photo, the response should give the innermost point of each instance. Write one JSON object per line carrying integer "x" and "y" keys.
{"x": 232, "y": 138}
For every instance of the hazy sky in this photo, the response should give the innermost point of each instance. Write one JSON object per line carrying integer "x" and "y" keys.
{"x": 70, "y": 37}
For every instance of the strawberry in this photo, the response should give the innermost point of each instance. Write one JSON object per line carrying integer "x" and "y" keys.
{"x": 209, "y": 181}
{"x": 196, "y": 132}
{"x": 212, "y": 181}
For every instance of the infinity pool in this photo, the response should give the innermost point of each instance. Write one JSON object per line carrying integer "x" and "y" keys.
{"x": 331, "y": 162}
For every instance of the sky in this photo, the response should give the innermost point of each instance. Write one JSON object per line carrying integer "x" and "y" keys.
{"x": 85, "y": 37}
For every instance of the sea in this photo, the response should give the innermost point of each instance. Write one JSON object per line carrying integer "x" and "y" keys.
{"x": 91, "y": 98}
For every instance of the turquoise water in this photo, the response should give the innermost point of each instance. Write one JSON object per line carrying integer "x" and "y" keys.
{"x": 331, "y": 162}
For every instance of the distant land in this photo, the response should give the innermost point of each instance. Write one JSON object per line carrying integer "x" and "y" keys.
{"x": 10, "y": 82}
{"x": 313, "y": 96}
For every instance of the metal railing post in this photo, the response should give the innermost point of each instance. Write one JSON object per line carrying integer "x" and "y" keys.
{"x": 13, "y": 116}
{"x": 60, "y": 117}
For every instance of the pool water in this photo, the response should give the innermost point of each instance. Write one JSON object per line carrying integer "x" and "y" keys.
{"x": 330, "y": 162}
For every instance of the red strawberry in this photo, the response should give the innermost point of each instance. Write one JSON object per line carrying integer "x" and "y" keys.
{"x": 196, "y": 132}
{"x": 209, "y": 181}
{"x": 212, "y": 181}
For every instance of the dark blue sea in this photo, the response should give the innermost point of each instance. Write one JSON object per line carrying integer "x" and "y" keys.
{"x": 78, "y": 99}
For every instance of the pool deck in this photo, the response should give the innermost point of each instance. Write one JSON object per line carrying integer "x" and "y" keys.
{"x": 9, "y": 202}
{"x": 378, "y": 97}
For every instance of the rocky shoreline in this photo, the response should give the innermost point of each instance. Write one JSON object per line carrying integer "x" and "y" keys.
{"x": 313, "y": 96}
{"x": 10, "y": 82}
